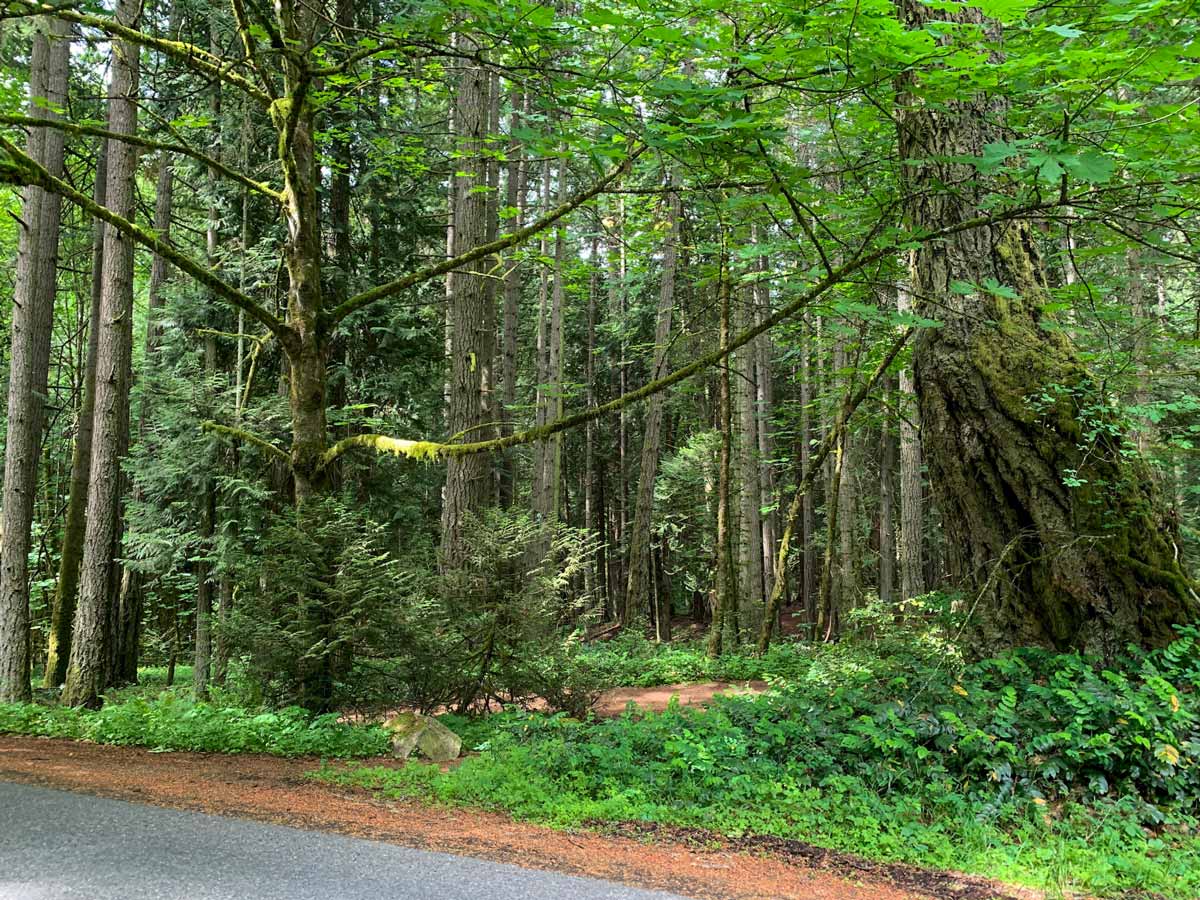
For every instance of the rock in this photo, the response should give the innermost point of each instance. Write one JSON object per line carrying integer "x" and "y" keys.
{"x": 414, "y": 731}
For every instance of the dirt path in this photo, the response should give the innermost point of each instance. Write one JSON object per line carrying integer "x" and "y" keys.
{"x": 276, "y": 790}
{"x": 613, "y": 702}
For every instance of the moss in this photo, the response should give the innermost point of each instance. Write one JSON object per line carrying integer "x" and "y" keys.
{"x": 423, "y": 450}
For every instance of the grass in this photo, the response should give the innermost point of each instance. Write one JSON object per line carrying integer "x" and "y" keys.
{"x": 1051, "y": 770}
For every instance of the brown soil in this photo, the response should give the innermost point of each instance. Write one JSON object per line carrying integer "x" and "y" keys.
{"x": 274, "y": 790}
{"x": 614, "y": 702}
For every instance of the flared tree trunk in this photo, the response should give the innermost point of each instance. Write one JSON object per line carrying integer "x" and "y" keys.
{"x": 1060, "y": 532}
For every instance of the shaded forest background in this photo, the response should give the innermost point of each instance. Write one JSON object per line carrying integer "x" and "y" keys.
{"x": 367, "y": 351}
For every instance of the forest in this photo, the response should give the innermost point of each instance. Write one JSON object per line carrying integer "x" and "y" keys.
{"x": 471, "y": 359}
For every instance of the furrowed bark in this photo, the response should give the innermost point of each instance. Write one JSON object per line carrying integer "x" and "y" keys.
{"x": 86, "y": 671}
{"x": 29, "y": 360}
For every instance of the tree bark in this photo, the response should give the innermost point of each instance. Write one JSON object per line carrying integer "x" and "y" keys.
{"x": 912, "y": 566}
{"x": 1063, "y": 536}
{"x": 517, "y": 170}
{"x": 58, "y": 650}
{"x": 750, "y": 590}
{"x": 640, "y": 562}
{"x": 723, "y": 633}
{"x": 89, "y": 648}
{"x": 887, "y": 503}
{"x": 468, "y": 478}
{"x": 29, "y": 360}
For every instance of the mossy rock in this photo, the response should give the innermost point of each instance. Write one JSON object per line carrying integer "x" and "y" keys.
{"x": 414, "y": 731}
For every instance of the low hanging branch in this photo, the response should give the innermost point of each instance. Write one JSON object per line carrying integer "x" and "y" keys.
{"x": 19, "y": 168}
{"x": 380, "y": 292}
{"x": 148, "y": 144}
{"x": 850, "y": 402}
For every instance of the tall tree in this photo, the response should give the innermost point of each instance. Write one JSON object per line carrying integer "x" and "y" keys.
{"x": 1062, "y": 533}
{"x": 468, "y": 478}
{"x": 912, "y": 566}
{"x": 89, "y": 647}
{"x": 29, "y": 359}
{"x": 641, "y": 568}
{"x": 62, "y": 615}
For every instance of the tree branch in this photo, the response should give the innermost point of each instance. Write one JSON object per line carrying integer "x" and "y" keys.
{"x": 249, "y": 437}
{"x": 412, "y": 279}
{"x": 190, "y": 55}
{"x": 93, "y": 131}
{"x": 20, "y": 168}
{"x": 432, "y": 449}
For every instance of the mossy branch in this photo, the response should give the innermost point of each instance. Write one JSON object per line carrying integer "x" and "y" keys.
{"x": 430, "y": 449}
{"x": 148, "y": 144}
{"x": 250, "y": 45}
{"x": 192, "y": 56}
{"x": 20, "y": 167}
{"x": 249, "y": 437}
{"x": 850, "y": 403}
{"x": 426, "y": 450}
{"x": 519, "y": 236}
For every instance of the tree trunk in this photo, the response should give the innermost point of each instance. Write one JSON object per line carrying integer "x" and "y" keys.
{"x": 86, "y": 671}
{"x": 808, "y": 563}
{"x": 723, "y": 633}
{"x": 29, "y": 360}
{"x": 751, "y": 590}
{"x": 912, "y": 566}
{"x": 1062, "y": 534}
{"x": 640, "y": 562}
{"x": 887, "y": 503}
{"x": 764, "y": 408}
{"x": 62, "y": 613}
{"x": 517, "y": 170}
{"x": 468, "y": 478}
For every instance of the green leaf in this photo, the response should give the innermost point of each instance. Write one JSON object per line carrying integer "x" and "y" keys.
{"x": 1064, "y": 31}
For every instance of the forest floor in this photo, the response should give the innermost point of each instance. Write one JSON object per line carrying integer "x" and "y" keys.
{"x": 684, "y": 861}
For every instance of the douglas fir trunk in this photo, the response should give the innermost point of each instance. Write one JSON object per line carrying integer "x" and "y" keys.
{"x": 1059, "y": 531}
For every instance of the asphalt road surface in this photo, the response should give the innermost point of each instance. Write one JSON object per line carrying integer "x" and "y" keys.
{"x": 56, "y": 845}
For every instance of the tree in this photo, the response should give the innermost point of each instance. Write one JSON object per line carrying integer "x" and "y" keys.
{"x": 86, "y": 670}
{"x": 641, "y": 578}
{"x": 1057, "y": 526}
{"x": 37, "y": 265}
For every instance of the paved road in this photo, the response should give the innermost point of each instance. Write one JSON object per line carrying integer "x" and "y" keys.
{"x": 56, "y": 845}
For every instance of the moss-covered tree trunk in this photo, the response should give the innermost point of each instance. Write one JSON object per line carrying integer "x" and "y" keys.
{"x": 1058, "y": 529}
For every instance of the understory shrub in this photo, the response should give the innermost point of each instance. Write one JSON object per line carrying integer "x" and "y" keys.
{"x": 168, "y": 722}
{"x": 503, "y": 627}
